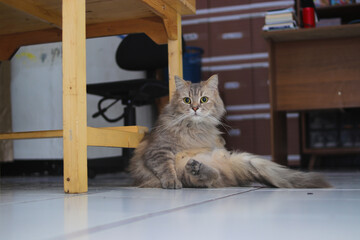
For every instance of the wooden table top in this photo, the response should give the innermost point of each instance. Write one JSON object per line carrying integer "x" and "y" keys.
{"x": 341, "y": 31}
{"x": 26, "y": 22}
{"x": 18, "y": 16}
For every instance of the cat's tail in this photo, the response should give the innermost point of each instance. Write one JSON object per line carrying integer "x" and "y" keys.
{"x": 251, "y": 168}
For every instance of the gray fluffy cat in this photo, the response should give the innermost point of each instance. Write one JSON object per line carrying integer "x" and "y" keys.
{"x": 185, "y": 149}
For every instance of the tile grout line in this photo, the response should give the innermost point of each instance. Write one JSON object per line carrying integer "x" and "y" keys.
{"x": 119, "y": 223}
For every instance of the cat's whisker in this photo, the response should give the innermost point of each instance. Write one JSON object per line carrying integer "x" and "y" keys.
{"x": 179, "y": 120}
{"x": 220, "y": 123}
{"x": 166, "y": 126}
{"x": 213, "y": 119}
{"x": 225, "y": 126}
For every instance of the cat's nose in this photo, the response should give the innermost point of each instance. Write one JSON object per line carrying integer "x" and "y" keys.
{"x": 195, "y": 108}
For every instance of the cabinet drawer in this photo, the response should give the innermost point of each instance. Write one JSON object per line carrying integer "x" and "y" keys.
{"x": 261, "y": 85}
{"x": 240, "y": 136}
{"x": 197, "y": 36}
{"x": 236, "y": 87}
{"x": 317, "y": 74}
{"x": 230, "y": 37}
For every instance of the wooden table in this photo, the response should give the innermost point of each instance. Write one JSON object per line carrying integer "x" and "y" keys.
{"x": 26, "y": 22}
{"x": 311, "y": 69}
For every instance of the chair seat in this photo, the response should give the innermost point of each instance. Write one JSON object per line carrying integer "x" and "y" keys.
{"x": 139, "y": 91}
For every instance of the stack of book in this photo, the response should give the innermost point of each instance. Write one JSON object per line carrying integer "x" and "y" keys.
{"x": 280, "y": 19}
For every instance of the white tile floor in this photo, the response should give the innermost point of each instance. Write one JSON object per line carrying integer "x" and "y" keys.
{"x": 37, "y": 208}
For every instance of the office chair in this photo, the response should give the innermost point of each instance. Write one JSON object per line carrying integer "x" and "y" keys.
{"x": 139, "y": 53}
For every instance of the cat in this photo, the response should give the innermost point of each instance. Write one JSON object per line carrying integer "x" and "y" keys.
{"x": 185, "y": 148}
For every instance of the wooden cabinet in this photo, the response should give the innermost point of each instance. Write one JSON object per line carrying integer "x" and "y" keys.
{"x": 311, "y": 69}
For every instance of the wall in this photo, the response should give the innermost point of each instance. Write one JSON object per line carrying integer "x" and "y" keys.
{"x": 36, "y": 91}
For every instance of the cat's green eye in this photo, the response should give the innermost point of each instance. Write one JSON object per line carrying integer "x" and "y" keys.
{"x": 204, "y": 99}
{"x": 187, "y": 100}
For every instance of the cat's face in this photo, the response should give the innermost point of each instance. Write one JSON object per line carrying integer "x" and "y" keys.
{"x": 198, "y": 101}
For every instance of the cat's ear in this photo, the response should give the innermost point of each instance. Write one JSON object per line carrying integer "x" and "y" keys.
{"x": 180, "y": 83}
{"x": 212, "y": 82}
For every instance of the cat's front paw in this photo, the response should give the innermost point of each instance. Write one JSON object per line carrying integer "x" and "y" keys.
{"x": 172, "y": 183}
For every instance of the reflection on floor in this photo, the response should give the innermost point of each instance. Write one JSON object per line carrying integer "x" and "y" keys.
{"x": 37, "y": 208}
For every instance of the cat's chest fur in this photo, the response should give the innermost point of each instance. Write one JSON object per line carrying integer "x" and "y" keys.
{"x": 197, "y": 136}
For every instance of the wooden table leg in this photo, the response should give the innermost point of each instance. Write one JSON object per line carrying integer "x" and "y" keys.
{"x": 175, "y": 57}
{"x": 279, "y": 137}
{"x": 74, "y": 96}
{"x": 278, "y": 119}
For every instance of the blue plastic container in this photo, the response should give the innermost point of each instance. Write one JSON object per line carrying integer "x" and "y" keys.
{"x": 192, "y": 64}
